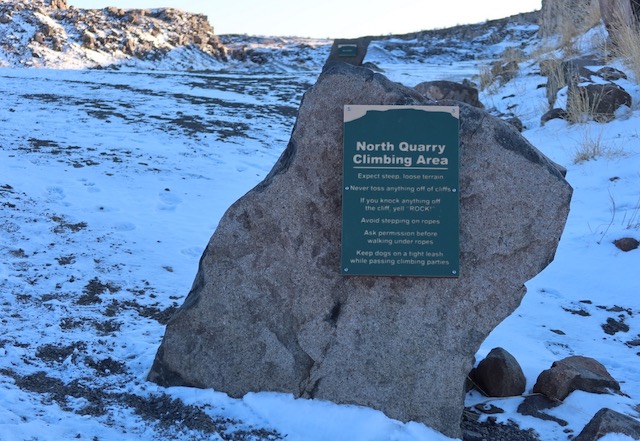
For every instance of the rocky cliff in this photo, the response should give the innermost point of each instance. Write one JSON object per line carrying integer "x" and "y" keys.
{"x": 48, "y": 33}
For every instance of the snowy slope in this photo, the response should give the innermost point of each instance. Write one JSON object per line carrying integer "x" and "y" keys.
{"x": 112, "y": 181}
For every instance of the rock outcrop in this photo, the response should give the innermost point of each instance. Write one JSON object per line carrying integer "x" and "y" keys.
{"x": 111, "y": 33}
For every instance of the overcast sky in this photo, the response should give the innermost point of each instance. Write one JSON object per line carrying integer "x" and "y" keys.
{"x": 331, "y": 18}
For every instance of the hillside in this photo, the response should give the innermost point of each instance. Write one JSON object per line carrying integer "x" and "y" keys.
{"x": 54, "y": 34}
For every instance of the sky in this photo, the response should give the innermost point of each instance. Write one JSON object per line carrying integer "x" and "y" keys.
{"x": 331, "y": 18}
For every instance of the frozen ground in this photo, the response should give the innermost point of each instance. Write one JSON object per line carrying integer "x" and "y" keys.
{"x": 112, "y": 181}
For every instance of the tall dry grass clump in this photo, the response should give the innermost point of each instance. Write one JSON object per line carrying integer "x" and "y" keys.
{"x": 626, "y": 46}
{"x": 553, "y": 69}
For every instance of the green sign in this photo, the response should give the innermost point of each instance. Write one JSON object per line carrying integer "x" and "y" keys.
{"x": 347, "y": 50}
{"x": 400, "y": 199}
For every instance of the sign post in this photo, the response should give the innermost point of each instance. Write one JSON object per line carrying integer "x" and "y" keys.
{"x": 400, "y": 199}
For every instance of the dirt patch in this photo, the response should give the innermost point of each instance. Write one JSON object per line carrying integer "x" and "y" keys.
{"x": 171, "y": 416}
{"x": 475, "y": 430}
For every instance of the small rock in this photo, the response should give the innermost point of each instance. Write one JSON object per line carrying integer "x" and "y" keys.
{"x": 556, "y": 113}
{"x": 88, "y": 40}
{"x": 612, "y": 326}
{"x": 516, "y": 122}
{"x": 611, "y": 73}
{"x": 499, "y": 375}
{"x": 449, "y": 90}
{"x": 575, "y": 373}
{"x": 39, "y": 37}
{"x": 626, "y": 243}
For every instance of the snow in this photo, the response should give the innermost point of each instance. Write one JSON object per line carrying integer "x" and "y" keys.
{"x": 112, "y": 181}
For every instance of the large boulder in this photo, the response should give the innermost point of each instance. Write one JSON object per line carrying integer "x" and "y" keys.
{"x": 270, "y": 311}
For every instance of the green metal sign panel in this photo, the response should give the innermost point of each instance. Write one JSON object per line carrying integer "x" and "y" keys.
{"x": 400, "y": 199}
{"x": 347, "y": 50}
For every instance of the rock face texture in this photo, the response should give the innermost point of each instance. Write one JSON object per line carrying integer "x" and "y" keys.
{"x": 450, "y": 90}
{"x": 565, "y": 16}
{"x": 147, "y": 34}
{"x": 269, "y": 310}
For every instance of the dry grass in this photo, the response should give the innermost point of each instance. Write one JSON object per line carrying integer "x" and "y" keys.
{"x": 592, "y": 147}
{"x": 627, "y": 48}
{"x": 500, "y": 72}
{"x": 633, "y": 222}
{"x": 487, "y": 80}
{"x": 552, "y": 69}
{"x": 581, "y": 108}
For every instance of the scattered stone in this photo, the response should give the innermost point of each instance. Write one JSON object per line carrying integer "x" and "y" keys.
{"x": 597, "y": 101}
{"x": 449, "y": 90}
{"x": 88, "y": 40}
{"x": 633, "y": 343}
{"x": 578, "y": 70}
{"x": 499, "y": 375}
{"x": 38, "y": 37}
{"x": 609, "y": 73}
{"x": 505, "y": 71}
{"x": 489, "y": 429}
{"x": 269, "y": 310}
{"x": 575, "y": 373}
{"x": 515, "y": 122}
{"x": 534, "y": 405}
{"x": 586, "y": 98}
{"x": 556, "y": 113}
{"x": 59, "y": 4}
{"x": 607, "y": 421}
{"x": 489, "y": 409}
{"x": 614, "y": 326}
{"x": 626, "y": 243}
{"x": 580, "y": 312}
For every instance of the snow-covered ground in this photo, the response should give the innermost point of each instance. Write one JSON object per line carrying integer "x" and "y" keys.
{"x": 112, "y": 181}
